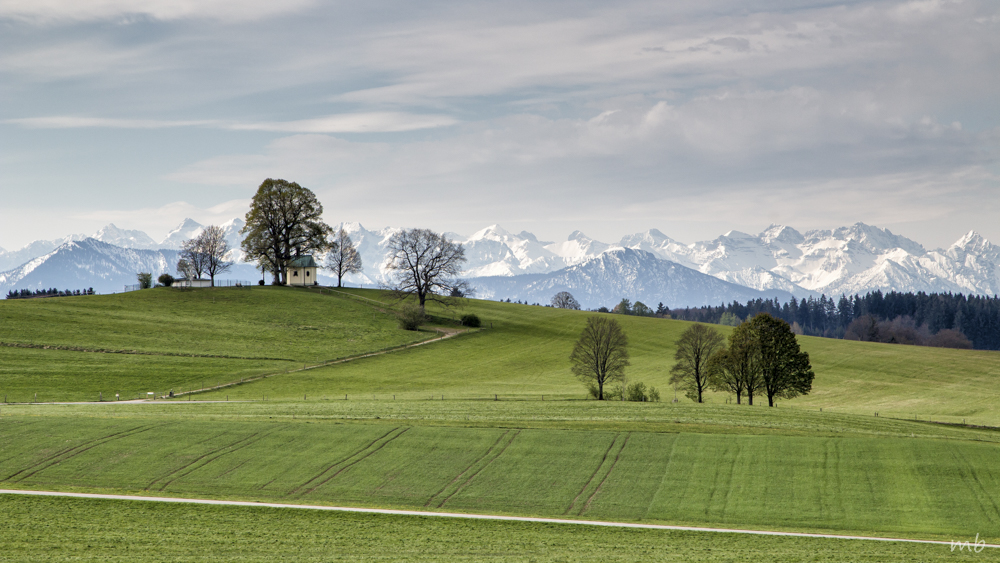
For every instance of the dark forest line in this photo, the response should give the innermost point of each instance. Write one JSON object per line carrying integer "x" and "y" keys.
{"x": 934, "y": 319}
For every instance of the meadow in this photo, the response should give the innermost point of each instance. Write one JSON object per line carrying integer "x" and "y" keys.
{"x": 860, "y": 482}
{"x": 489, "y": 420}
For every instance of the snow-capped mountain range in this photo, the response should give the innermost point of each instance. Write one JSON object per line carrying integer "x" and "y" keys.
{"x": 778, "y": 262}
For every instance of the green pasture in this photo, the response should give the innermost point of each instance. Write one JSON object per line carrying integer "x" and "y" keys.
{"x": 860, "y": 484}
{"x": 60, "y": 529}
{"x": 75, "y": 348}
{"x": 523, "y": 352}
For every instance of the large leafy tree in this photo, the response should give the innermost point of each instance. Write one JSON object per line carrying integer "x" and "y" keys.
{"x": 693, "y": 370}
{"x": 343, "y": 257}
{"x": 425, "y": 264}
{"x": 784, "y": 369}
{"x": 600, "y": 356}
{"x": 284, "y": 221}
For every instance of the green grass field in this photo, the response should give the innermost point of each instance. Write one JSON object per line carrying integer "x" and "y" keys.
{"x": 83, "y": 348}
{"x": 56, "y": 529}
{"x": 873, "y": 484}
{"x": 420, "y": 429}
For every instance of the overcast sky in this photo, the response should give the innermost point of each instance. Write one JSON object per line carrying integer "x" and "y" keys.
{"x": 692, "y": 117}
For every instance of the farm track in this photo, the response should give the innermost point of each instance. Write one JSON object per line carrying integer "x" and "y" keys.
{"x": 474, "y": 516}
{"x": 600, "y": 485}
{"x": 71, "y": 452}
{"x": 597, "y": 470}
{"x": 205, "y": 459}
{"x": 345, "y": 463}
{"x": 480, "y": 464}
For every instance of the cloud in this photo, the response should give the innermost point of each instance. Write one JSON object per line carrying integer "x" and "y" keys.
{"x": 52, "y": 11}
{"x": 370, "y": 122}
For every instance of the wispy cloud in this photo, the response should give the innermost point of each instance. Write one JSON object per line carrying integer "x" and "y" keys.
{"x": 50, "y": 11}
{"x": 372, "y": 122}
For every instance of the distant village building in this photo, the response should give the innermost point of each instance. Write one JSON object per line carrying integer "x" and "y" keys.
{"x": 191, "y": 283}
{"x": 302, "y": 271}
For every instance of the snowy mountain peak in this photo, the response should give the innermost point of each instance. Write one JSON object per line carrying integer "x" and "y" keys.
{"x": 124, "y": 238}
{"x": 781, "y": 233}
{"x": 493, "y": 232}
{"x": 876, "y": 239}
{"x": 972, "y": 242}
{"x": 578, "y": 235}
{"x": 188, "y": 229}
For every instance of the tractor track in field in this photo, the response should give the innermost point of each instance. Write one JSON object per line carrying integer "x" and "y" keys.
{"x": 474, "y": 516}
{"x": 469, "y": 468}
{"x": 489, "y": 461}
{"x": 592, "y": 475}
{"x": 346, "y": 463}
{"x": 71, "y": 452}
{"x": 196, "y": 464}
{"x": 611, "y": 469}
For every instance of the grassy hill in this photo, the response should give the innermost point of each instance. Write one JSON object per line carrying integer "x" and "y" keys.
{"x": 73, "y": 349}
{"x": 540, "y": 449}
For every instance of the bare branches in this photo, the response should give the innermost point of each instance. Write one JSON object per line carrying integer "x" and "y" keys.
{"x": 693, "y": 371}
{"x": 343, "y": 258}
{"x": 600, "y": 356}
{"x": 565, "y": 300}
{"x": 205, "y": 254}
{"x": 426, "y": 264}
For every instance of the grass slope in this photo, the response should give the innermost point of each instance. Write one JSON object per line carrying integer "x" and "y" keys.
{"x": 49, "y": 529}
{"x": 524, "y": 351}
{"x": 155, "y": 340}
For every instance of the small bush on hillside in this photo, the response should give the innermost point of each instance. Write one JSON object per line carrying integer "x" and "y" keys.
{"x": 471, "y": 320}
{"x": 410, "y": 316}
{"x": 145, "y": 280}
{"x": 636, "y": 392}
{"x": 166, "y": 280}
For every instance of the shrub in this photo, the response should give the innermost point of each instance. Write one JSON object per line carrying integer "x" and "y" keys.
{"x": 410, "y": 316}
{"x": 166, "y": 280}
{"x": 636, "y": 392}
{"x": 653, "y": 394}
{"x": 471, "y": 320}
{"x": 261, "y": 282}
{"x": 145, "y": 280}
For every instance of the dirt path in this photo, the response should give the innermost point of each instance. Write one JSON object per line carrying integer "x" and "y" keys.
{"x": 484, "y": 517}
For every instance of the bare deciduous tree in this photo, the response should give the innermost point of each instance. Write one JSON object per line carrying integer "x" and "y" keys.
{"x": 565, "y": 300}
{"x": 692, "y": 372}
{"x": 600, "y": 356}
{"x": 343, "y": 258}
{"x": 426, "y": 264}
{"x": 214, "y": 247}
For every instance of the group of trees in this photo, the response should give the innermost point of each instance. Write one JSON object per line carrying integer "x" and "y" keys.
{"x": 51, "y": 292}
{"x": 285, "y": 221}
{"x": 910, "y": 318}
{"x": 205, "y": 254}
{"x": 762, "y": 358}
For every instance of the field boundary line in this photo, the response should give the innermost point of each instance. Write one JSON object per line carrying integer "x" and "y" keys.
{"x": 471, "y": 516}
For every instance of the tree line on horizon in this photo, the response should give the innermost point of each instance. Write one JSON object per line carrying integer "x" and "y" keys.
{"x": 929, "y": 319}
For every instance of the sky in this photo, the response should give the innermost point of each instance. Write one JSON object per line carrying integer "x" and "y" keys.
{"x": 692, "y": 117}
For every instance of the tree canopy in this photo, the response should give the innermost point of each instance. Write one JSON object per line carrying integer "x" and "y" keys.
{"x": 784, "y": 369}
{"x": 565, "y": 300}
{"x": 693, "y": 371}
{"x": 425, "y": 264}
{"x": 343, "y": 257}
{"x": 284, "y": 221}
{"x": 600, "y": 356}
